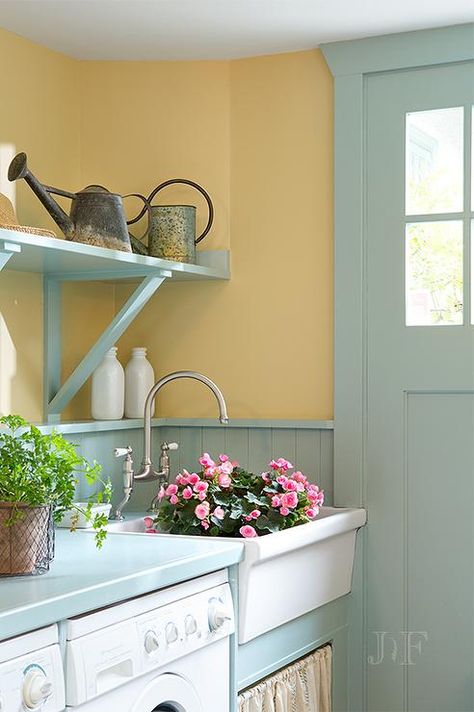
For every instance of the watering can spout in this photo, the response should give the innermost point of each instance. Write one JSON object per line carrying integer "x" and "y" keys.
{"x": 19, "y": 169}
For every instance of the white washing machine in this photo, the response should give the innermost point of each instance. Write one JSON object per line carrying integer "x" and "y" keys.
{"x": 163, "y": 652}
{"x": 31, "y": 672}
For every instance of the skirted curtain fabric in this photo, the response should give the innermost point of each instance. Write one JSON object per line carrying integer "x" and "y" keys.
{"x": 304, "y": 686}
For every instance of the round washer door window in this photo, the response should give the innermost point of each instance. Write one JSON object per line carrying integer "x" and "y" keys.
{"x": 168, "y": 693}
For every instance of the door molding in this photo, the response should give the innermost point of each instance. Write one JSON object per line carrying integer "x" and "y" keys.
{"x": 404, "y": 50}
{"x": 351, "y": 63}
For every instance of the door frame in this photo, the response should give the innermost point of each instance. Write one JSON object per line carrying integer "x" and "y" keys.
{"x": 351, "y": 63}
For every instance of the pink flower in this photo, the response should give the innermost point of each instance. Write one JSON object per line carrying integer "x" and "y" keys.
{"x": 204, "y": 524}
{"x": 247, "y": 531}
{"x": 290, "y": 486}
{"x": 174, "y": 499}
{"x": 226, "y": 468}
{"x": 312, "y": 512}
{"x": 300, "y": 487}
{"x": 193, "y": 479}
{"x": 171, "y": 489}
{"x": 202, "y": 496}
{"x": 218, "y": 513}
{"x": 224, "y": 480}
{"x": 284, "y": 511}
{"x": 265, "y": 477}
{"x": 201, "y": 486}
{"x": 202, "y": 510}
{"x": 282, "y": 480}
{"x": 315, "y": 495}
{"x": 276, "y": 501}
{"x": 223, "y": 458}
{"x": 161, "y": 493}
{"x": 206, "y": 460}
{"x": 280, "y": 464}
{"x": 184, "y": 477}
{"x": 255, "y": 514}
{"x": 299, "y": 477}
{"x": 210, "y": 472}
{"x": 289, "y": 499}
{"x": 247, "y": 518}
{"x": 148, "y": 522}
{"x": 187, "y": 493}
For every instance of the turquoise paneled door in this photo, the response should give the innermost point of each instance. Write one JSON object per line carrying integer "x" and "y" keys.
{"x": 420, "y": 390}
{"x": 404, "y": 363}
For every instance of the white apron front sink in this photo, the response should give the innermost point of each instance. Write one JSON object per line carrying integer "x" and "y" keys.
{"x": 289, "y": 573}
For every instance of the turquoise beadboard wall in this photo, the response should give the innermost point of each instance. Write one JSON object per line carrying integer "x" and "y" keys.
{"x": 308, "y": 447}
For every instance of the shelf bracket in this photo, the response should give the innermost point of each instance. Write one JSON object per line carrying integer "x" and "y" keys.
{"x": 56, "y": 397}
{"x": 7, "y": 250}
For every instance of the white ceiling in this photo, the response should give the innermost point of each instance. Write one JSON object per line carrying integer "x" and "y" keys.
{"x": 215, "y": 29}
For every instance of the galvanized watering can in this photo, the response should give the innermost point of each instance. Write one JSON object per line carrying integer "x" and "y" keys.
{"x": 172, "y": 228}
{"x": 97, "y": 216}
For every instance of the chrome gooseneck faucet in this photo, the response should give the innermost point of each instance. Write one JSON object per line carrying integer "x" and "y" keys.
{"x": 147, "y": 471}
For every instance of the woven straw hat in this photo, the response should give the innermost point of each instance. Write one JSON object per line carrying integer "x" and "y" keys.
{"x": 9, "y": 220}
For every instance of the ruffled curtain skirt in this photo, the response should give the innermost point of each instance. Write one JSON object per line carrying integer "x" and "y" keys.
{"x": 304, "y": 686}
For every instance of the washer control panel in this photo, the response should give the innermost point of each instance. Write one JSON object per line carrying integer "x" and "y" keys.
{"x": 33, "y": 682}
{"x": 102, "y": 660}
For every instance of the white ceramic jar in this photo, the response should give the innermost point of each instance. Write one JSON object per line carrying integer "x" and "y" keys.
{"x": 139, "y": 380}
{"x": 108, "y": 388}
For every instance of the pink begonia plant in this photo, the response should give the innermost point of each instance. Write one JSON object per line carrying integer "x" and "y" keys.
{"x": 223, "y": 499}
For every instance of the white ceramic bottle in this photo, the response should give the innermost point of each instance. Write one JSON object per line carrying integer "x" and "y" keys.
{"x": 108, "y": 388}
{"x": 139, "y": 380}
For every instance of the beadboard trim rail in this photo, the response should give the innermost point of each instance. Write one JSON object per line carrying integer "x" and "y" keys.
{"x": 308, "y": 444}
{"x": 97, "y": 426}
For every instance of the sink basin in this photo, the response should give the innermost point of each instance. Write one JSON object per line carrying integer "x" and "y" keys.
{"x": 286, "y": 574}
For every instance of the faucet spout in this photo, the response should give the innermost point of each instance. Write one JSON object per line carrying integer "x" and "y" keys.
{"x": 147, "y": 471}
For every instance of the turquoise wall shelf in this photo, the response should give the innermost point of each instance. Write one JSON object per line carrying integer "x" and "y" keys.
{"x": 62, "y": 261}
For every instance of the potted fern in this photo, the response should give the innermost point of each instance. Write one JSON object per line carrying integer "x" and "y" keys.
{"x": 38, "y": 478}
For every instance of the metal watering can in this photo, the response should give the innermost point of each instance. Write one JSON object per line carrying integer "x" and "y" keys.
{"x": 97, "y": 216}
{"x": 172, "y": 228}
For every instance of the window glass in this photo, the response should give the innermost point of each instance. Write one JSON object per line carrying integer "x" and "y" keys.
{"x": 434, "y": 161}
{"x": 434, "y": 273}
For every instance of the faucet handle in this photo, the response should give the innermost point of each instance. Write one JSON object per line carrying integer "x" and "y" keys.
{"x": 122, "y": 451}
{"x": 165, "y": 447}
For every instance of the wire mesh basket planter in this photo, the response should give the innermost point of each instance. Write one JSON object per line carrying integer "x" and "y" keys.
{"x": 26, "y": 539}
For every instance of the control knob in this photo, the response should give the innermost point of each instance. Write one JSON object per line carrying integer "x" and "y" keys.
{"x": 36, "y": 689}
{"x": 151, "y": 642}
{"x": 217, "y": 614}
{"x": 171, "y": 633}
{"x": 190, "y": 625}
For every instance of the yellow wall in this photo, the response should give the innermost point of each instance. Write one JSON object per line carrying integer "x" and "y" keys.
{"x": 38, "y": 114}
{"x": 41, "y": 115}
{"x": 257, "y": 134}
{"x": 281, "y": 236}
{"x": 266, "y": 337}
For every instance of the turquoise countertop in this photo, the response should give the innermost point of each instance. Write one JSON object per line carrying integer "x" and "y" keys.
{"x": 82, "y": 578}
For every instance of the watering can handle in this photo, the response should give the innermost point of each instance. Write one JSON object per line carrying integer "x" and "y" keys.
{"x": 186, "y": 182}
{"x": 145, "y": 209}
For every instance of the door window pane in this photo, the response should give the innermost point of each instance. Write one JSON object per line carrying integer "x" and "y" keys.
{"x": 434, "y": 273}
{"x": 434, "y": 161}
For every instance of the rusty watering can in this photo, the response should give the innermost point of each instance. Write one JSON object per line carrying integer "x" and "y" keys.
{"x": 97, "y": 216}
{"x": 172, "y": 228}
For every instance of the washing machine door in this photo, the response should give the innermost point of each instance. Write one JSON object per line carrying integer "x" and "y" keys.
{"x": 168, "y": 693}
